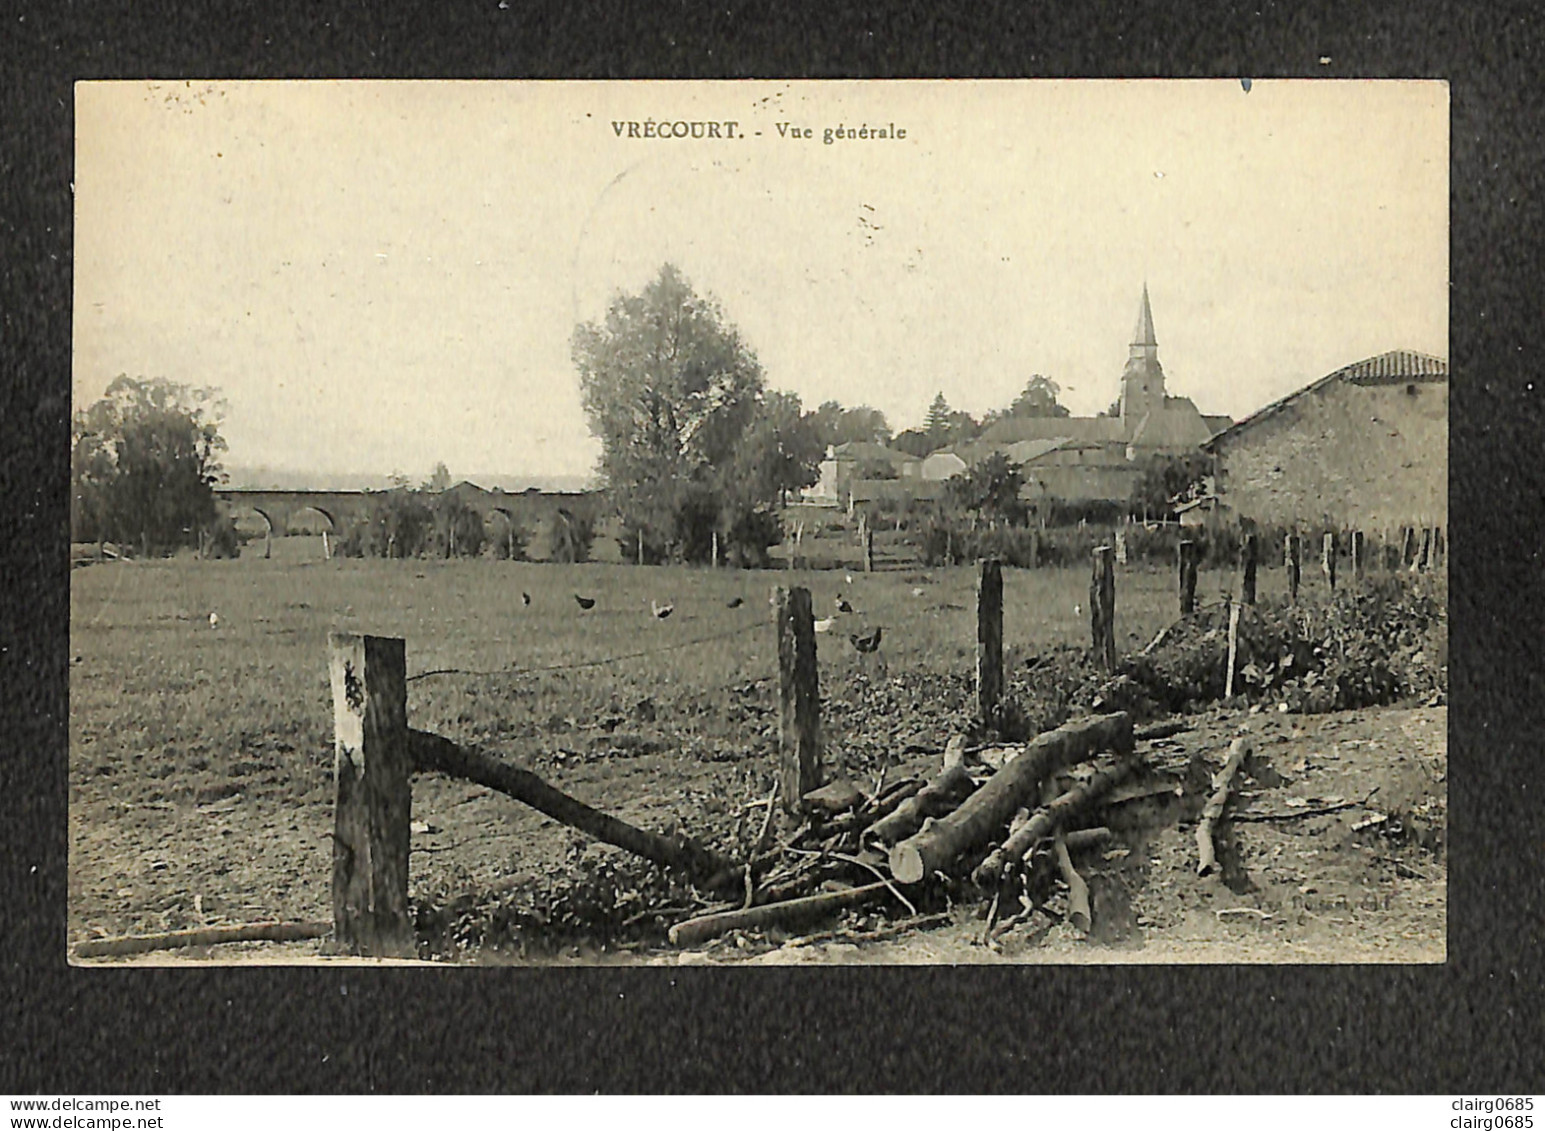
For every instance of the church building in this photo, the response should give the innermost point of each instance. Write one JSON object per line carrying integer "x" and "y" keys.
{"x": 1092, "y": 458}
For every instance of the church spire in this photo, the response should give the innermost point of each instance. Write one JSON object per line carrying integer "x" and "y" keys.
{"x": 1143, "y": 335}
{"x": 1142, "y": 384}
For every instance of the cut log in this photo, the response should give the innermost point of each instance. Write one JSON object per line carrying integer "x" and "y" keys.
{"x": 1048, "y": 821}
{"x": 431, "y": 752}
{"x": 1078, "y": 891}
{"x": 1206, "y": 860}
{"x": 1233, "y": 650}
{"x": 203, "y": 936}
{"x": 937, "y": 798}
{"x": 985, "y": 812}
{"x": 789, "y": 913}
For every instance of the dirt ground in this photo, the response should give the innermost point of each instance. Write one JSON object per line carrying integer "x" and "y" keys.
{"x": 1364, "y": 882}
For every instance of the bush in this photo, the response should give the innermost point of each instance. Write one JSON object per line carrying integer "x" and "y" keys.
{"x": 511, "y": 542}
{"x": 1384, "y": 643}
{"x": 222, "y": 540}
{"x": 752, "y": 533}
{"x": 571, "y": 537}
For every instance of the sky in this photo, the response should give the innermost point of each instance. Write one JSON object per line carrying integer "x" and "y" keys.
{"x": 380, "y": 276}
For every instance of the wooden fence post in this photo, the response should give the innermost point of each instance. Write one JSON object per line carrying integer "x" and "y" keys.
{"x": 1102, "y": 608}
{"x": 1437, "y": 547}
{"x": 1357, "y": 550}
{"x": 1407, "y": 546}
{"x": 989, "y": 640}
{"x": 1328, "y": 559}
{"x": 640, "y": 545}
{"x": 799, "y": 698}
{"x": 1187, "y": 577}
{"x": 1249, "y": 551}
{"x": 371, "y": 761}
{"x": 1291, "y": 560}
{"x": 715, "y": 549}
{"x": 868, "y": 549}
{"x": 1424, "y": 557}
{"x": 1121, "y": 548}
{"x": 1233, "y": 648}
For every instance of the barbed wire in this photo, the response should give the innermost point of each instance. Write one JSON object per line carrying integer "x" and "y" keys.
{"x": 594, "y": 663}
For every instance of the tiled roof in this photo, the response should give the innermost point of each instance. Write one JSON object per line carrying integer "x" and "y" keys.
{"x": 1392, "y": 368}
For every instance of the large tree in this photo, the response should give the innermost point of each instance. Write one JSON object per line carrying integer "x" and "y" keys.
{"x": 780, "y": 452}
{"x": 1038, "y": 398}
{"x": 670, "y": 389}
{"x": 144, "y": 463}
{"x": 838, "y": 425}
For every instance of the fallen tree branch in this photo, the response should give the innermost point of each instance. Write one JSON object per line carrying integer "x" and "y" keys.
{"x": 988, "y": 810}
{"x": 431, "y": 752}
{"x": 1161, "y": 730}
{"x": 1302, "y": 813}
{"x": 846, "y": 859}
{"x": 1078, "y": 891}
{"x": 203, "y": 936}
{"x": 786, "y": 914}
{"x": 1206, "y": 859}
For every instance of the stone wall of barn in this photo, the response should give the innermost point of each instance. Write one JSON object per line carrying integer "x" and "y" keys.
{"x": 1373, "y": 457}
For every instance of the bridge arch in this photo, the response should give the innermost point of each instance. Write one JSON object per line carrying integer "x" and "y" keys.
{"x": 505, "y": 533}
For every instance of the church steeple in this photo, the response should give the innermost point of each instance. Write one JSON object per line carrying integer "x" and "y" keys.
{"x": 1142, "y": 384}
{"x": 1143, "y": 335}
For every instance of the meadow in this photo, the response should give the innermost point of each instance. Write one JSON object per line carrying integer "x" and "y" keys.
{"x": 201, "y": 756}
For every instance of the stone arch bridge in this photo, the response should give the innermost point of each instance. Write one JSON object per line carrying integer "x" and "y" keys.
{"x": 343, "y": 509}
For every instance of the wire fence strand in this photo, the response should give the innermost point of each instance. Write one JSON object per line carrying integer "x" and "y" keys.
{"x": 594, "y": 663}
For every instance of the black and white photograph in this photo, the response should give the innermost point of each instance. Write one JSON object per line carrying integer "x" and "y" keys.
{"x": 759, "y": 523}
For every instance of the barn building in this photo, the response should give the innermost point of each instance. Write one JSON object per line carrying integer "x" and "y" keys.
{"x": 1365, "y": 447}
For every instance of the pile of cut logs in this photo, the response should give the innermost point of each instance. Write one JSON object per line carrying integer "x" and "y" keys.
{"x": 996, "y": 817}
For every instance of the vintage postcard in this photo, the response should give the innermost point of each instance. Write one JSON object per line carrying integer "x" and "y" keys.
{"x": 756, "y": 523}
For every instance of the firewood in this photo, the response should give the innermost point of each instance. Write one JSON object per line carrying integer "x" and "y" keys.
{"x": 937, "y": 798}
{"x": 988, "y": 809}
{"x": 1078, "y": 891}
{"x": 788, "y": 914}
{"x": 1048, "y": 820}
{"x": 1206, "y": 858}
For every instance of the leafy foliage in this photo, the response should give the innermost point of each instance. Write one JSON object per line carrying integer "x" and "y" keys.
{"x": 144, "y": 464}
{"x": 990, "y": 489}
{"x": 1168, "y": 478}
{"x": 838, "y": 425}
{"x": 570, "y": 537}
{"x": 692, "y": 442}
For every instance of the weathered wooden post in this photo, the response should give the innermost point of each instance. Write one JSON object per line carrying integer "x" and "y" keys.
{"x": 989, "y": 640}
{"x": 1328, "y": 559}
{"x": 1290, "y": 555}
{"x": 868, "y": 549}
{"x": 1188, "y": 557}
{"x": 1424, "y": 558}
{"x": 1121, "y": 547}
{"x": 371, "y": 761}
{"x": 1233, "y": 648}
{"x": 1407, "y": 546}
{"x": 1249, "y": 548}
{"x": 715, "y": 549}
{"x": 1437, "y": 547}
{"x": 1035, "y": 548}
{"x": 799, "y": 697}
{"x": 1357, "y": 550}
{"x": 640, "y": 545}
{"x": 1102, "y": 608}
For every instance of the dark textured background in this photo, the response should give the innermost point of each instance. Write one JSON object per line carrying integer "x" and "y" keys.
{"x": 1472, "y": 1025}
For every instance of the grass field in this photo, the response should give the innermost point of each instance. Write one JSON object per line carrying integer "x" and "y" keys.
{"x": 201, "y": 757}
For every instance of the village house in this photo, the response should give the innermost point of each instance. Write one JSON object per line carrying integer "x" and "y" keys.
{"x": 1365, "y": 446}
